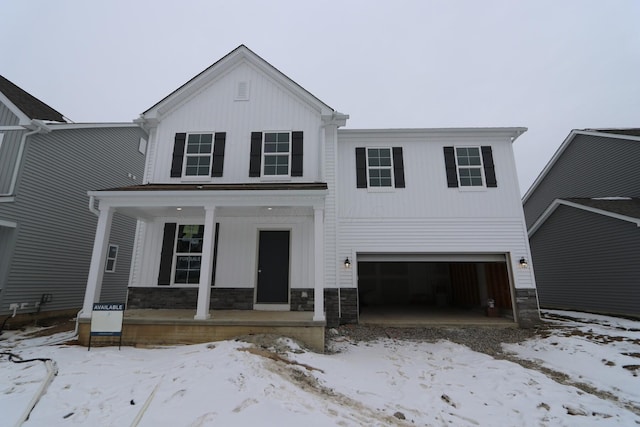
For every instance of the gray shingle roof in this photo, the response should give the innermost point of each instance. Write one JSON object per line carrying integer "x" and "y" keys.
{"x": 31, "y": 106}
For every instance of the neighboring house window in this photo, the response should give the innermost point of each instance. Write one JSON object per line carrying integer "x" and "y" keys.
{"x": 198, "y": 154}
{"x": 112, "y": 255}
{"x": 379, "y": 167}
{"x": 142, "y": 146}
{"x": 181, "y": 254}
{"x": 470, "y": 167}
{"x": 276, "y": 154}
{"x": 188, "y": 254}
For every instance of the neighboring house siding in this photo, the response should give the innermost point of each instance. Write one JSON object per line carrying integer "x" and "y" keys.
{"x": 55, "y": 227}
{"x": 7, "y": 118}
{"x": 578, "y": 172}
{"x": 7, "y": 240}
{"x": 588, "y": 262}
{"x": 8, "y": 154}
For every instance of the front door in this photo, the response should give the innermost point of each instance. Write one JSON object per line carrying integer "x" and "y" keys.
{"x": 273, "y": 268}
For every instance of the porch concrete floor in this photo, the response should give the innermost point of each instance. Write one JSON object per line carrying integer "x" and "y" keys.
{"x": 223, "y": 317}
{"x": 410, "y": 317}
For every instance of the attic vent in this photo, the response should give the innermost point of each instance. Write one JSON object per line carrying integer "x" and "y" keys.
{"x": 242, "y": 91}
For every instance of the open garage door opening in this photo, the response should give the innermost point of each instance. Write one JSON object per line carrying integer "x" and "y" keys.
{"x": 464, "y": 289}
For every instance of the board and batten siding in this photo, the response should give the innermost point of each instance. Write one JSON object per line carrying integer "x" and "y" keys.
{"x": 236, "y": 265}
{"x": 7, "y": 118}
{"x": 55, "y": 229}
{"x": 587, "y": 262}
{"x": 435, "y": 236}
{"x": 9, "y": 148}
{"x": 269, "y": 108}
{"x": 590, "y": 166}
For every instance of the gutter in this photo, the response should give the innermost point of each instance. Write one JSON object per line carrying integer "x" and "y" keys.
{"x": 36, "y": 126}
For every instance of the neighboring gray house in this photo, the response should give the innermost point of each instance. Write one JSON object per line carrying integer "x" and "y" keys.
{"x": 583, "y": 219}
{"x": 47, "y": 165}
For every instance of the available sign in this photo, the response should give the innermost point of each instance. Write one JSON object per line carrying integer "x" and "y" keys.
{"x": 106, "y": 320}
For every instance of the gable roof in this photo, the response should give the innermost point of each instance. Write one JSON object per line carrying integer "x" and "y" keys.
{"x": 217, "y": 69}
{"x": 27, "y": 104}
{"x": 626, "y": 134}
{"x": 622, "y": 208}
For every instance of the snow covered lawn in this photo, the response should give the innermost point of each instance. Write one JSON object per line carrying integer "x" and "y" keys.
{"x": 385, "y": 382}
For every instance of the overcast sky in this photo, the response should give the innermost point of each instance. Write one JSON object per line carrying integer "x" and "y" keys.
{"x": 548, "y": 65}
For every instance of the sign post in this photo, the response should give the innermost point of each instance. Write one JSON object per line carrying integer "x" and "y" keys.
{"x": 106, "y": 321}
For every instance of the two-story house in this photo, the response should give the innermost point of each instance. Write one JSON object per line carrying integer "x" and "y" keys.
{"x": 583, "y": 214}
{"x": 253, "y": 199}
{"x": 46, "y": 231}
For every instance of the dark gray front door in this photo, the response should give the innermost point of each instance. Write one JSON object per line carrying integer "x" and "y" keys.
{"x": 273, "y": 268}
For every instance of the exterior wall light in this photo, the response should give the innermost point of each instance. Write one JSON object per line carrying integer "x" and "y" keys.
{"x": 347, "y": 263}
{"x": 523, "y": 263}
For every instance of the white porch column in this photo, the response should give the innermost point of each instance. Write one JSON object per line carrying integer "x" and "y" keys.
{"x": 96, "y": 269}
{"x": 318, "y": 255}
{"x": 206, "y": 264}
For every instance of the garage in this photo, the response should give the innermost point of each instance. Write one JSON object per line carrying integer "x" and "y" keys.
{"x": 443, "y": 285}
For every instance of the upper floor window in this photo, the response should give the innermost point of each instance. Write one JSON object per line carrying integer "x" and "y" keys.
{"x": 276, "y": 153}
{"x": 379, "y": 167}
{"x": 470, "y": 167}
{"x": 198, "y": 154}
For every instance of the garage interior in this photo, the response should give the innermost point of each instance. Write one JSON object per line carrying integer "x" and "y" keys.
{"x": 430, "y": 292}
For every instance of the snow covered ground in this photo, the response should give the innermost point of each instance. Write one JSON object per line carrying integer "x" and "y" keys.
{"x": 386, "y": 382}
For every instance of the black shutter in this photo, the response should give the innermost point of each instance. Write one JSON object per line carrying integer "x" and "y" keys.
{"x": 166, "y": 256}
{"x": 215, "y": 254}
{"x": 450, "y": 166}
{"x": 178, "y": 153}
{"x": 256, "y": 154}
{"x": 489, "y": 167}
{"x": 218, "y": 154}
{"x": 398, "y": 167}
{"x": 296, "y": 153}
{"x": 361, "y": 167}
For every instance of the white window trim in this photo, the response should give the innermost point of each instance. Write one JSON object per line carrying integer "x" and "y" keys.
{"x": 108, "y": 258}
{"x": 185, "y": 156}
{"x": 390, "y": 188}
{"x": 481, "y": 166}
{"x": 174, "y": 260}
{"x": 142, "y": 146}
{"x": 264, "y": 155}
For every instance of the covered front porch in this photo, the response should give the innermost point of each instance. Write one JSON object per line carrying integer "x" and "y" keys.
{"x": 173, "y": 326}
{"x": 202, "y": 250}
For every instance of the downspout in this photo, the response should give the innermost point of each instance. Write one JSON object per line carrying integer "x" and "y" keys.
{"x": 92, "y": 206}
{"x": 39, "y": 127}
